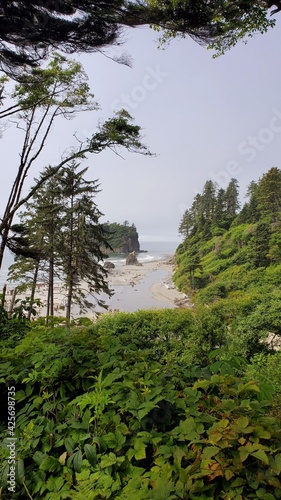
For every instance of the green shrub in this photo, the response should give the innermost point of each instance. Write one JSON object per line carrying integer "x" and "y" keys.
{"x": 97, "y": 419}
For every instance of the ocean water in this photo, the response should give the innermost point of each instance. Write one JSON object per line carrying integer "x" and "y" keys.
{"x": 150, "y": 251}
{"x": 154, "y": 251}
{"x": 7, "y": 262}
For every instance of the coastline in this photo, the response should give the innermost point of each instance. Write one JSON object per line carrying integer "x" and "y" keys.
{"x": 147, "y": 286}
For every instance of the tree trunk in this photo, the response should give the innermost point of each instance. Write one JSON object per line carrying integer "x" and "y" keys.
{"x": 4, "y": 239}
{"x": 12, "y": 301}
{"x": 50, "y": 300}
{"x": 33, "y": 288}
{"x": 3, "y": 298}
{"x": 69, "y": 300}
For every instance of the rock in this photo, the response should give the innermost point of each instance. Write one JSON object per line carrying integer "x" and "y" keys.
{"x": 108, "y": 265}
{"x": 132, "y": 260}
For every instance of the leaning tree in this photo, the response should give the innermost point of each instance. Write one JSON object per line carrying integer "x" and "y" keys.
{"x": 58, "y": 91}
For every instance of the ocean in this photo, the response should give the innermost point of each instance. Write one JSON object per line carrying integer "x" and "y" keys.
{"x": 151, "y": 251}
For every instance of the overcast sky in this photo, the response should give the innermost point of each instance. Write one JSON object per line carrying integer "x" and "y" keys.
{"x": 204, "y": 118}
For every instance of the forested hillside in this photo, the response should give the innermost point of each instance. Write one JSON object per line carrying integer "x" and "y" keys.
{"x": 230, "y": 259}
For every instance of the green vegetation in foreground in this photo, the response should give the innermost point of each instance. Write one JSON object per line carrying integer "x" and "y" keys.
{"x": 140, "y": 406}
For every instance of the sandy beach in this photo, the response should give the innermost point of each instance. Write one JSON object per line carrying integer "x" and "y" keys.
{"x": 147, "y": 286}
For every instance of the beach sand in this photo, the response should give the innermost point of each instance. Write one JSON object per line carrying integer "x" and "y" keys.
{"x": 148, "y": 286}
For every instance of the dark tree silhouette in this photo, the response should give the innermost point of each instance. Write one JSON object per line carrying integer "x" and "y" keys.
{"x": 29, "y": 31}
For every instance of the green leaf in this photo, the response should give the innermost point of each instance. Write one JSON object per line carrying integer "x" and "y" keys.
{"x": 90, "y": 453}
{"x": 140, "y": 454}
{"x": 210, "y": 451}
{"x": 276, "y": 463}
{"x": 242, "y": 422}
{"x": 243, "y": 453}
{"x": 260, "y": 455}
{"x": 77, "y": 461}
{"x": 50, "y": 464}
{"x": 262, "y": 433}
{"x": 38, "y": 457}
{"x": 108, "y": 460}
{"x": 19, "y": 471}
{"x": 69, "y": 444}
{"x": 4, "y": 475}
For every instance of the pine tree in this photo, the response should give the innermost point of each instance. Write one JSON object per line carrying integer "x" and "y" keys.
{"x": 231, "y": 200}
{"x": 209, "y": 200}
{"x": 260, "y": 244}
{"x": 81, "y": 239}
{"x": 269, "y": 195}
{"x": 220, "y": 210}
{"x": 186, "y": 224}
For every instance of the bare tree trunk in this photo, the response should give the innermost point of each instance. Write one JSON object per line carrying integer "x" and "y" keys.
{"x": 12, "y": 301}
{"x": 69, "y": 300}
{"x": 33, "y": 288}
{"x": 3, "y": 298}
{"x": 50, "y": 299}
{"x": 4, "y": 239}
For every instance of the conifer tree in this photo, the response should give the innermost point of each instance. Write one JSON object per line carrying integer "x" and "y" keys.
{"x": 231, "y": 199}
{"x": 82, "y": 239}
{"x": 269, "y": 195}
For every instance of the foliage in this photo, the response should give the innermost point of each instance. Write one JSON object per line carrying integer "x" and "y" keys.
{"x": 119, "y": 235}
{"x": 62, "y": 224}
{"x": 14, "y": 324}
{"x": 113, "y": 419}
{"x": 29, "y": 32}
{"x": 238, "y": 262}
{"x": 217, "y": 24}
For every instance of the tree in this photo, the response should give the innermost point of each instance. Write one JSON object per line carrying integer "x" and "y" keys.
{"x": 260, "y": 244}
{"x": 269, "y": 195}
{"x": 30, "y": 30}
{"x": 220, "y": 209}
{"x": 231, "y": 199}
{"x": 60, "y": 90}
{"x": 64, "y": 219}
{"x": 42, "y": 225}
{"x": 81, "y": 239}
{"x": 186, "y": 224}
{"x": 218, "y": 24}
{"x": 209, "y": 200}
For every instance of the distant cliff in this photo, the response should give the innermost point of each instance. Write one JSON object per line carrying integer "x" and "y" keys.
{"x": 123, "y": 238}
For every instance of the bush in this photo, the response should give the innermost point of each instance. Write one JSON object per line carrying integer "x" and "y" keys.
{"x": 97, "y": 419}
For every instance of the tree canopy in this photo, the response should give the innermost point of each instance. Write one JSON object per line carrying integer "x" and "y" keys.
{"x": 31, "y": 30}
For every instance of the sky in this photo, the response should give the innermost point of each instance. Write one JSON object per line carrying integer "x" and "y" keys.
{"x": 203, "y": 118}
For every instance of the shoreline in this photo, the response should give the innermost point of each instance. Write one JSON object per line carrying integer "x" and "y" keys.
{"x": 145, "y": 286}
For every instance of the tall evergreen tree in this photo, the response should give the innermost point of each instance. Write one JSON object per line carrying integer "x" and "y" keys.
{"x": 220, "y": 209}
{"x": 186, "y": 224}
{"x": 209, "y": 200}
{"x": 82, "y": 239}
{"x": 231, "y": 199}
{"x": 269, "y": 195}
{"x": 42, "y": 220}
{"x": 260, "y": 244}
